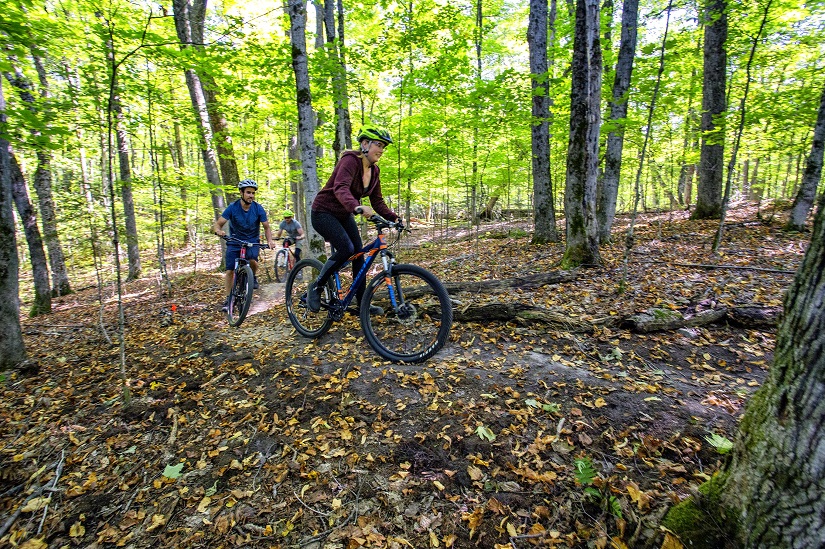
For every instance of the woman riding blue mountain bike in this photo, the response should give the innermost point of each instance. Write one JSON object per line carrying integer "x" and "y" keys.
{"x": 355, "y": 176}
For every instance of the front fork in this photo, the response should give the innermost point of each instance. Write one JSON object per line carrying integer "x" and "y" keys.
{"x": 389, "y": 261}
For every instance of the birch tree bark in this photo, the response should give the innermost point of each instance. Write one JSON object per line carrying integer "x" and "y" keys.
{"x": 811, "y": 176}
{"x": 187, "y": 16}
{"x": 582, "y": 246}
{"x": 609, "y": 189}
{"x": 544, "y": 214}
{"x": 12, "y": 350}
{"x": 714, "y": 103}
{"x": 306, "y": 118}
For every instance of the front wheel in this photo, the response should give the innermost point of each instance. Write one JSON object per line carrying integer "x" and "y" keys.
{"x": 241, "y": 296}
{"x": 282, "y": 265}
{"x": 415, "y": 316}
{"x": 307, "y": 323}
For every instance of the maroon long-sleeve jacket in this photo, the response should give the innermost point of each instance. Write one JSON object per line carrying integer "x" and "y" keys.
{"x": 345, "y": 189}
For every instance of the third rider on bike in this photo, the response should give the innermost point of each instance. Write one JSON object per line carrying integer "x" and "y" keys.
{"x": 294, "y": 230}
{"x": 355, "y": 176}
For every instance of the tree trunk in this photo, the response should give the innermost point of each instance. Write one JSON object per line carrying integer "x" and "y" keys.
{"x": 40, "y": 271}
{"x": 813, "y": 173}
{"x": 606, "y": 207}
{"x": 583, "y": 150}
{"x": 775, "y": 479}
{"x": 220, "y": 134}
{"x": 544, "y": 213}
{"x": 343, "y": 125}
{"x": 189, "y": 19}
{"x": 12, "y": 350}
{"x": 306, "y": 119}
{"x": 132, "y": 249}
{"x": 43, "y": 189}
{"x": 711, "y": 162}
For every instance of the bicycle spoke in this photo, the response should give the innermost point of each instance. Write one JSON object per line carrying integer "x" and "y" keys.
{"x": 417, "y": 326}
{"x": 307, "y": 323}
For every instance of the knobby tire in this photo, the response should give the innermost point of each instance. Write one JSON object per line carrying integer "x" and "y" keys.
{"x": 241, "y": 296}
{"x": 282, "y": 271}
{"x": 307, "y": 323}
{"x": 420, "y": 324}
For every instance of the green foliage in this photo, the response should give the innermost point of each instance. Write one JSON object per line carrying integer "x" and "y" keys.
{"x": 586, "y": 475}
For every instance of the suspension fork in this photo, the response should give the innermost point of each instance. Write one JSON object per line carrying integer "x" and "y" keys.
{"x": 393, "y": 284}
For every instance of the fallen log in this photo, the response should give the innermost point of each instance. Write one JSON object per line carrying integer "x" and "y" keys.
{"x": 658, "y": 320}
{"x": 525, "y": 282}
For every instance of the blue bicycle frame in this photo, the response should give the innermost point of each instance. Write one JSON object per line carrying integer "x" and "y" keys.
{"x": 369, "y": 252}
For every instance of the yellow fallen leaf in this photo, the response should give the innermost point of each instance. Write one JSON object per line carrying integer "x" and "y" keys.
{"x": 438, "y": 485}
{"x": 203, "y": 506}
{"x": 433, "y": 539}
{"x": 671, "y": 542}
{"x": 34, "y": 544}
{"x": 600, "y": 403}
{"x": 77, "y": 530}
{"x": 36, "y": 504}
{"x": 158, "y": 521}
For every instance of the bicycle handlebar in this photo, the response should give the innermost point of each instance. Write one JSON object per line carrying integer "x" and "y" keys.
{"x": 382, "y": 223}
{"x": 242, "y": 243}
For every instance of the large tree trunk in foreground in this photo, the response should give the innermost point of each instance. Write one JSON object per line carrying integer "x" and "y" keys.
{"x": 776, "y": 479}
{"x": 813, "y": 173}
{"x": 771, "y": 492}
{"x": 12, "y": 351}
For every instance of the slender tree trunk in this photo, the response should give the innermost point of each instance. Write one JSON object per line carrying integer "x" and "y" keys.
{"x": 583, "y": 151}
{"x": 717, "y": 241}
{"x": 40, "y": 271}
{"x": 129, "y": 220}
{"x": 43, "y": 189}
{"x": 714, "y": 103}
{"x": 812, "y": 175}
{"x": 607, "y": 197}
{"x": 306, "y": 118}
{"x": 12, "y": 350}
{"x": 343, "y": 125}
{"x": 545, "y": 212}
{"x": 187, "y": 16}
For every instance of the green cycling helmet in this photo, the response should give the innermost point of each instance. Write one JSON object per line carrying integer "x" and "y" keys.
{"x": 288, "y": 213}
{"x": 374, "y": 133}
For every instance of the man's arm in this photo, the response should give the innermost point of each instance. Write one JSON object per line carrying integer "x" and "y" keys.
{"x": 300, "y": 233}
{"x": 217, "y": 228}
{"x": 268, "y": 233}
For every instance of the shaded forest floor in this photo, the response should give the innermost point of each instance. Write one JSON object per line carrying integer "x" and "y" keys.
{"x": 514, "y": 435}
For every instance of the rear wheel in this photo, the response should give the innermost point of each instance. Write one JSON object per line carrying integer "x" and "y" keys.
{"x": 282, "y": 265}
{"x": 241, "y": 296}
{"x": 307, "y": 323}
{"x": 418, "y": 325}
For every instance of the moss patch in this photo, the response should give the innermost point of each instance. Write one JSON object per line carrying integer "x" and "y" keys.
{"x": 698, "y": 521}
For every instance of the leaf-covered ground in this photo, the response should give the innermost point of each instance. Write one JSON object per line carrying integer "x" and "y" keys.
{"x": 515, "y": 435}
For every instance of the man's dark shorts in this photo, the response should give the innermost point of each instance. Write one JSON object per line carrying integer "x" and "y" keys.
{"x": 234, "y": 252}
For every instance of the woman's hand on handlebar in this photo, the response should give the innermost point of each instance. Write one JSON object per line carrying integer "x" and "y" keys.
{"x": 366, "y": 211}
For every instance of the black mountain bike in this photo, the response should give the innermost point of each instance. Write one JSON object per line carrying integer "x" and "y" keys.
{"x": 415, "y": 309}
{"x": 240, "y": 298}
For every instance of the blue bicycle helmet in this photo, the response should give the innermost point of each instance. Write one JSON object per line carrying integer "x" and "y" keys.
{"x": 247, "y": 183}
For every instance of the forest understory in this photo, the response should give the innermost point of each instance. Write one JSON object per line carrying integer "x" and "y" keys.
{"x": 528, "y": 432}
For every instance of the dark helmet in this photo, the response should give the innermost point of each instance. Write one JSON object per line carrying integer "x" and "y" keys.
{"x": 247, "y": 183}
{"x": 374, "y": 133}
